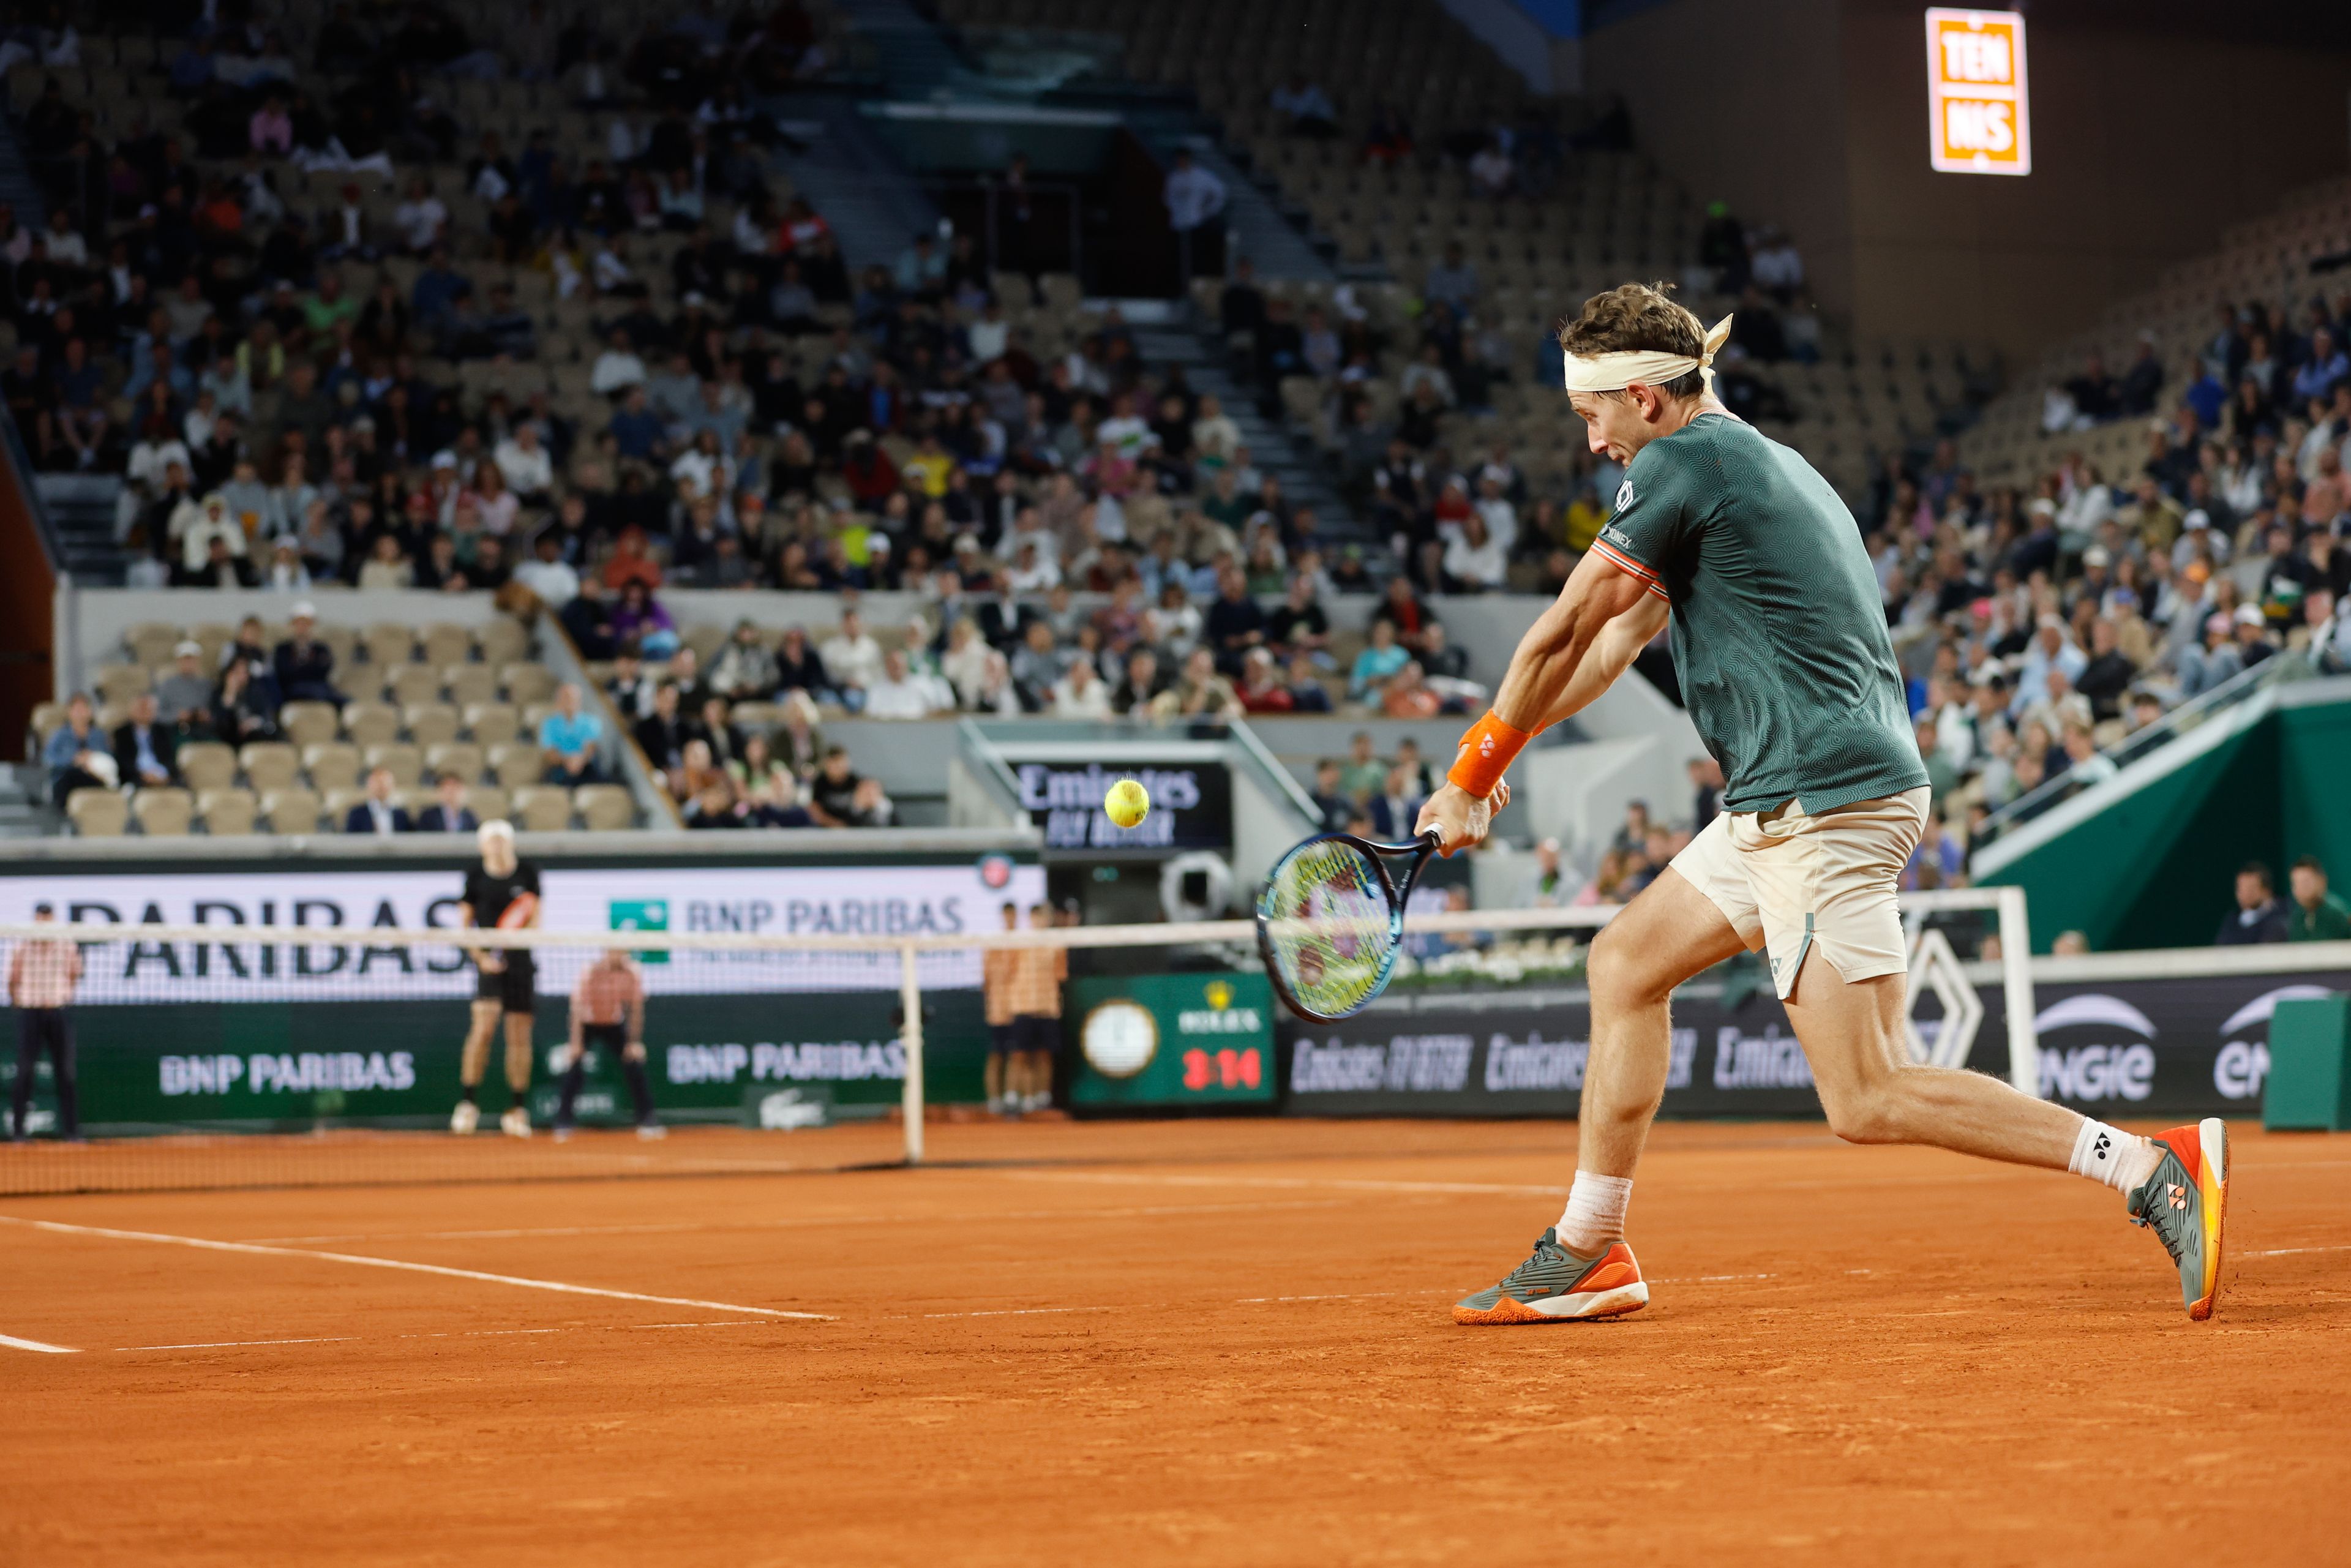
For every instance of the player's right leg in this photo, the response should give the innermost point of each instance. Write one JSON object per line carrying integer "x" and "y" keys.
{"x": 1581, "y": 1268}
{"x": 476, "y": 1060}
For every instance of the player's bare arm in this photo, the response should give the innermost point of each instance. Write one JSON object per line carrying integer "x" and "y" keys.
{"x": 1576, "y": 649}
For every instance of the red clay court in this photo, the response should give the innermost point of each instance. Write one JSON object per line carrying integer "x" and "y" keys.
{"x": 1181, "y": 1342}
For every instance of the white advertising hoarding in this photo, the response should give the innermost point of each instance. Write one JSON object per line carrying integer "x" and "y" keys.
{"x": 883, "y": 902}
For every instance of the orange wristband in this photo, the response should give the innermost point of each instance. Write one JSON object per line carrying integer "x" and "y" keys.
{"x": 1487, "y": 749}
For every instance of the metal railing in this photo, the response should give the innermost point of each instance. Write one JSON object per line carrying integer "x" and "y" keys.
{"x": 2284, "y": 667}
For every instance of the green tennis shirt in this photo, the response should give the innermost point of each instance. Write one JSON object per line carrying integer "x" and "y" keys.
{"x": 1778, "y": 630}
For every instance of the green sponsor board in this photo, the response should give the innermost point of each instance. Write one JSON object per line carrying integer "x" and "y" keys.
{"x": 642, "y": 914}
{"x": 1171, "y": 1040}
{"x": 286, "y": 1065}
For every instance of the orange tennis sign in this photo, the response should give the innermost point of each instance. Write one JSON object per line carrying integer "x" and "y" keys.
{"x": 1979, "y": 122}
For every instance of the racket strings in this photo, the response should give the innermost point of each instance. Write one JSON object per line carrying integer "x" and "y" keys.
{"x": 1330, "y": 926}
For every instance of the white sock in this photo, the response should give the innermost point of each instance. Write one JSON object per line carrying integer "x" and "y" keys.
{"x": 2122, "y": 1160}
{"x": 1595, "y": 1213}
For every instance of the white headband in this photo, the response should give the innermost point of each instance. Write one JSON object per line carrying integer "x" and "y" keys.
{"x": 1616, "y": 371}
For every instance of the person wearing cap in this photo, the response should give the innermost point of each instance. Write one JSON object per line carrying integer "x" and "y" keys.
{"x": 502, "y": 893}
{"x": 184, "y": 697}
{"x": 304, "y": 667}
{"x": 41, "y": 976}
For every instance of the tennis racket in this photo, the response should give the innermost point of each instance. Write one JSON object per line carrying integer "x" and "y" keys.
{"x": 1330, "y": 921}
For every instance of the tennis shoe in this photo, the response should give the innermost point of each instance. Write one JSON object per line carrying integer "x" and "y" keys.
{"x": 516, "y": 1122}
{"x": 652, "y": 1130}
{"x": 1555, "y": 1285}
{"x": 464, "y": 1118}
{"x": 2185, "y": 1203}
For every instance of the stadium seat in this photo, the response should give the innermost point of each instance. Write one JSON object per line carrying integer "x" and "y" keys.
{"x": 332, "y": 764}
{"x": 446, "y": 642}
{"x": 542, "y": 809}
{"x": 528, "y": 681}
{"x": 705, "y": 640}
{"x": 370, "y": 724}
{"x": 270, "y": 764}
{"x": 463, "y": 758}
{"x": 430, "y": 723}
{"x": 504, "y": 641}
{"x": 390, "y": 642}
{"x": 151, "y": 643}
{"x": 291, "y": 810}
{"x": 339, "y": 803}
{"x": 206, "y": 765}
{"x": 493, "y": 723}
{"x": 308, "y": 724}
{"x": 488, "y": 801}
{"x": 470, "y": 683}
{"x": 605, "y": 808}
{"x": 405, "y": 760}
{"x": 97, "y": 813}
{"x": 46, "y": 719}
{"x": 213, "y": 637}
{"x": 119, "y": 683}
{"x": 517, "y": 764}
{"x": 163, "y": 814}
{"x": 226, "y": 812}
{"x": 413, "y": 683}
{"x": 757, "y": 715}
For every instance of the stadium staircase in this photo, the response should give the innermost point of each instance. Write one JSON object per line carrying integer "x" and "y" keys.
{"x": 833, "y": 157}
{"x": 81, "y": 508}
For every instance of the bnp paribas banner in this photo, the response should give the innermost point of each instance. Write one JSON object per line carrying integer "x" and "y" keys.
{"x": 881, "y": 902}
{"x": 2174, "y": 1046}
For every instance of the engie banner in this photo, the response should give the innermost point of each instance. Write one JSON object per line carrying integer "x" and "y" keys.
{"x": 883, "y": 902}
{"x": 2174, "y": 1047}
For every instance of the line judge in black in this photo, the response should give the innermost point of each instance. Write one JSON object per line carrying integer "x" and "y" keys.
{"x": 503, "y": 894}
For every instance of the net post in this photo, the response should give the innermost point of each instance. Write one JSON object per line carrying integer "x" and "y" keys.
{"x": 909, "y": 1004}
{"x": 2016, "y": 992}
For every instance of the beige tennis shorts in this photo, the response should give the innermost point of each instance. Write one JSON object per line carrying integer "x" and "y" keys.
{"x": 1795, "y": 883}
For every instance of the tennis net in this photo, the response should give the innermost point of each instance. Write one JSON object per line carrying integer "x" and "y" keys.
{"x": 211, "y": 1056}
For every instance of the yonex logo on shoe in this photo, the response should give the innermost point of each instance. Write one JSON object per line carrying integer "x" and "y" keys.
{"x": 2178, "y": 1195}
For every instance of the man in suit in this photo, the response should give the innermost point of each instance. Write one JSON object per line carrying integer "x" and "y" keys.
{"x": 144, "y": 748}
{"x": 449, "y": 814}
{"x": 305, "y": 666}
{"x": 1395, "y": 812}
{"x": 663, "y": 734}
{"x": 378, "y": 814}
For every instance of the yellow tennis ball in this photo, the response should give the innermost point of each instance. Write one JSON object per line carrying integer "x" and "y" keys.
{"x": 1127, "y": 803}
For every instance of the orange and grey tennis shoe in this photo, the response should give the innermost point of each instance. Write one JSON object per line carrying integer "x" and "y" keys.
{"x": 1555, "y": 1285}
{"x": 2185, "y": 1203}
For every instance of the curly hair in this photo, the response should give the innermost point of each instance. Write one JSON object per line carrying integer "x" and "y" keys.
{"x": 1636, "y": 316}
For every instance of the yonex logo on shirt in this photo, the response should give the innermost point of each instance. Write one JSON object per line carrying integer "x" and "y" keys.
{"x": 1616, "y": 536}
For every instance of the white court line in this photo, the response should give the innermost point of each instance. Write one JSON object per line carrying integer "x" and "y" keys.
{"x": 241, "y": 1343}
{"x": 803, "y": 1222}
{"x": 257, "y": 1249}
{"x": 1339, "y": 1184}
{"x": 2290, "y": 1251}
{"x": 12, "y": 1343}
{"x": 454, "y": 1334}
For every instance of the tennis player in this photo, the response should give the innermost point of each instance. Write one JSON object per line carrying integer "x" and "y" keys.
{"x": 608, "y": 1011}
{"x": 503, "y": 892}
{"x": 1779, "y": 639}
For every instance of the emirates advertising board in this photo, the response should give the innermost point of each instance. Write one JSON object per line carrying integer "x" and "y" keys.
{"x": 2172, "y": 1047}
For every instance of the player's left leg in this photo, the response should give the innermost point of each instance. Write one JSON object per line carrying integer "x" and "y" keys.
{"x": 1825, "y": 888}
{"x": 641, "y": 1089}
{"x": 475, "y": 1060}
{"x": 516, "y": 1122}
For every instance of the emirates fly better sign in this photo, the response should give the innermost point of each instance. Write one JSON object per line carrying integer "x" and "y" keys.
{"x": 1979, "y": 122}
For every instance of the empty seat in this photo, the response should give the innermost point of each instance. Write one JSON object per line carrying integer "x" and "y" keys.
{"x": 163, "y": 814}
{"x": 528, "y": 681}
{"x": 405, "y": 760}
{"x": 446, "y": 642}
{"x": 270, "y": 764}
{"x": 488, "y": 801}
{"x": 117, "y": 684}
{"x": 542, "y": 809}
{"x": 493, "y": 723}
{"x": 211, "y": 636}
{"x": 206, "y": 765}
{"x": 391, "y": 641}
{"x": 504, "y": 641}
{"x": 605, "y": 808}
{"x": 291, "y": 810}
{"x": 151, "y": 643}
{"x": 517, "y": 764}
{"x": 430, "y": 723}
{"x": 370, "y": 724}
{"x": 308, "y": 724}
{"x": 97, "y": 813}
{"x": 470, "y": 683}
{"x": 338, "y": 806}
{"x": 463, "y": 758}
{"x": 706, "y": 641}
{"x": 342, "y": 641}
{"x": 332, "y": 764}
{"x": 413, "y": 683}
{"x": 226, "y": 812}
